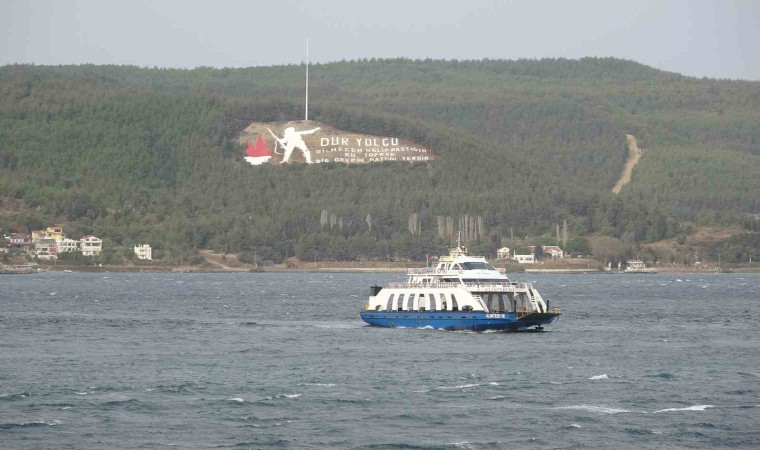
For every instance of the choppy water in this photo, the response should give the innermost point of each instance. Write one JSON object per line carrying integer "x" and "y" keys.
{"x": 283, "y": 361}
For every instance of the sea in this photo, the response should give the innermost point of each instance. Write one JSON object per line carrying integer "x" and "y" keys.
{"x": 282, "y": 360}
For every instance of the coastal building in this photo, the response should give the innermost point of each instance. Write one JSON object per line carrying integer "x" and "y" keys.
{"x": 554, "y": 251}
{"x": 55, "y": 233}
{"x": 68, "y": 245}
{"x": 525, "y": 259}
{"x": 143, "y": 251}
{"x": 46, "y": 249}
{"x": 91, "y": 245}
{"x": 503, "y": 253}
{"x": 549, "y": 251}
{"x": 19, "y": 239}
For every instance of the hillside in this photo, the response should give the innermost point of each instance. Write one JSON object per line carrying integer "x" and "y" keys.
{"x": 153, "y": 155}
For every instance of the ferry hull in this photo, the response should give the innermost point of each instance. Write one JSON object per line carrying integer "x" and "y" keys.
{"x": 458, "y": 321}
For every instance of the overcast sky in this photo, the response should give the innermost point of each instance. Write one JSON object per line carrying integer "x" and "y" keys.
{"x": 719, "y": 38}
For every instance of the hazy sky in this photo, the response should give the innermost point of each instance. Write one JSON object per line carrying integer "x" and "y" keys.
{"x": 719, "y": 38}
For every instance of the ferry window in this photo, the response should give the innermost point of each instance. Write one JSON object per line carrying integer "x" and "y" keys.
{"x": 431, "y": 297}
{"x": 501, "y": 302}
{"x": 389, "y": 307}
{"x": 454, "y": 306}
{"x": 400, "y": 306}
{"x": 443, "y": 302}
{"x": 477, "y": 265}
{"x": 457, "y": 267}
{"x": 410, "y": 303}
{"x": 421, "y": 303}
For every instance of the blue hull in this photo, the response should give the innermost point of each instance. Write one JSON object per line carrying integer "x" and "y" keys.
{"x": 457, "y": 320}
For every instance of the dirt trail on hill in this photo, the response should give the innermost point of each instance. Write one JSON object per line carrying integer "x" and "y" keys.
{"x": 634, "y": 154}
{"x": 216, "y": 261}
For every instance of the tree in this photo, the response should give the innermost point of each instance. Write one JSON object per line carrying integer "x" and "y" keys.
{"x": 578, "y": 246}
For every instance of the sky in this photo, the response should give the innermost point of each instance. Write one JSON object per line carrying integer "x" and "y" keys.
{"x": 717, "y": 39}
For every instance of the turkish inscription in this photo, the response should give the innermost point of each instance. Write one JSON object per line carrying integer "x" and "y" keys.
{"x": 312, "y": 143}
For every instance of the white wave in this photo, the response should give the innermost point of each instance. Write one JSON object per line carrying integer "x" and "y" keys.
{"x": 595, "y": 409}
{"x": 688, "y": 408}
{"x": 335, "y": 326}
{"x": 574, "y": 425}
{"x": 235, "y": 399}
{"x": 321, "y": 384}
{"x": 292, "y": 395}
{"x": 603, "y": 376}
{"x": 80, "y": 393}
{"x": 462, "y": 386}
{"x": 493, "y": 383}
{"x": 52, "y": 423}
{"x": 476, "y": 444}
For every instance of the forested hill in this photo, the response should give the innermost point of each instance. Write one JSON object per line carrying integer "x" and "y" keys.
{"x": 152, "y": 155}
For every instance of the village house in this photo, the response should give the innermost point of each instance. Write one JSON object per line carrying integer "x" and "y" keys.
{"x": 525, "y": 259}
{"x": 143, "y": 251}
{"x": 68, "y": 245}
{"x": 18, "y": 239}
{"x": 503, "y": 253}
{"x": 91, "y": 245}
{"x": 45, "y": 248}
{"x": 549, "y": 251}
{"x": 55, "y": 233}
{"x": 554, "y": 251}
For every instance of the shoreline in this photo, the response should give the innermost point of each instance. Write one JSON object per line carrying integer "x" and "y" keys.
{"x": 337, "y": 269}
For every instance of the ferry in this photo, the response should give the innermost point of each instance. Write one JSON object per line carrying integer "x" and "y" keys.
{"x": 637, "y": 266}
{"x": 460, "y": 293}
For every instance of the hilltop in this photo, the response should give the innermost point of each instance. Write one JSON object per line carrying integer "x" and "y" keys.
{"x": 154, "y": 155}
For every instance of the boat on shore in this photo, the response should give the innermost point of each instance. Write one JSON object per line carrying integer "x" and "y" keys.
{"x": 460, "y": 293}
{"x": 638, "y": 266}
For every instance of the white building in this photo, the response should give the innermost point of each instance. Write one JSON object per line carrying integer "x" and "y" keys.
{"x": 553, "y": 251}
{"x": 503, "y": 253}
{"x": 549, "y": 251}
{"x": 143, "y": 251}
{"x": 91, "y": 246}
{"x": 525, "y": 259}
{"x": 67, "y": 245}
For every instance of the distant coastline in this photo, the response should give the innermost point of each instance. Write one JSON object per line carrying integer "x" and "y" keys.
{"x": 352, "y": 267}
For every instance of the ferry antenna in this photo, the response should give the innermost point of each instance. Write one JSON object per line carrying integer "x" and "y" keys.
{"x": 306, "y": 112}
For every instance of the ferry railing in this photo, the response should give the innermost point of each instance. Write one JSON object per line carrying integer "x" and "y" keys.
{"x": 478, "y": 287}
{"x": 407, "y": 285}
{"x": 433, "y": 270}
{"x": 420, "y": 270}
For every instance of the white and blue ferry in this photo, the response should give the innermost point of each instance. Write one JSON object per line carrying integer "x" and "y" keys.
{"x": 460, "y": 293}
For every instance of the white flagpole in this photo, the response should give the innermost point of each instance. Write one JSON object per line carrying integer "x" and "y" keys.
{"x": 307, "y": 80}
